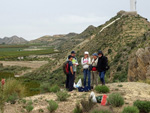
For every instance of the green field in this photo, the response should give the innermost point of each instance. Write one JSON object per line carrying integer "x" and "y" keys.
{"x": 14, "y": 51}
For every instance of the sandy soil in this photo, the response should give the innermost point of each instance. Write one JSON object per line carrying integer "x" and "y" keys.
{"x": 31, "y": 64}
{"x": 130, "y": 92}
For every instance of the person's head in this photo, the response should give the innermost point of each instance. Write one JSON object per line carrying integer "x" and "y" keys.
{"x": 95, "y": 55}
{"x": 100, "y": 53}
{"x": 73, "y": 53}
{"x": 86, "y": 54}
{"x": 70, "y": 57}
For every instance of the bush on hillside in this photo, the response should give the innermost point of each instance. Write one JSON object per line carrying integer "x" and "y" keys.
{"x": 109, "y": 51}
{"x": 87, "y": 105}
{"x": 12, "y": 91}
{"x": 62, "y": 95}
{"x": 45, "y": 87}
{"x": 12, "y": 98}
{"x": 55, "y": 89}
{"x": 29, "y": 107}
{"x": 77, "y": 109}
{"x": 120, "y": 76}
{"x": 143, "y": 106}
{"x": 14, "y": 86}
{"x": 130, "y": 109}
{"x": 52, "y": 106}
{"x": 100, "y": 111}
{"x": 115, "y": 99}
{"x": 102, "y": 89}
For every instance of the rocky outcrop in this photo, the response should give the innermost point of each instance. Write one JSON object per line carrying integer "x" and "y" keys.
{"x": 139, "y": 65}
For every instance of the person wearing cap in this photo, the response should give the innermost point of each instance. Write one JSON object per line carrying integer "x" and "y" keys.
{"x": 86, "y": 61}
{"x": 94, "y": 72}
{"x": 74, "y": 62}
{"x": 70, "y": 74}
{"x": 101, "y": 66}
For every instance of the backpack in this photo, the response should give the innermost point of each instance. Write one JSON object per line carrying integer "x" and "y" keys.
{"x": 66, "y": 67}
{"x": 107, "y": 66}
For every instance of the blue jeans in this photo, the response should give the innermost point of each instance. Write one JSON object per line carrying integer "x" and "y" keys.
{"x": 86, "y": 73}
{"x": 102, "y": 77}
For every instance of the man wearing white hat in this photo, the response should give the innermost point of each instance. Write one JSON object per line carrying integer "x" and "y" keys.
{"x": 86, "y": 61}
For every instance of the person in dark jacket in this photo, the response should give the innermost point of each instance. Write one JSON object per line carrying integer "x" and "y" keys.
{"x": 70, "y": 74}
{"x": 101, "y": 66}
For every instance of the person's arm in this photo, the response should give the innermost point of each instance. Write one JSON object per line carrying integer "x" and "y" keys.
{"x": 77, "y": 62}
{"x": 71, "y": 69}
{"x": 89, "y": 62}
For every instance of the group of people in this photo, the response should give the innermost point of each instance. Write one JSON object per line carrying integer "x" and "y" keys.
{"x": 92, "y": 69}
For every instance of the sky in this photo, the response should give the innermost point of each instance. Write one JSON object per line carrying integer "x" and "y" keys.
{"x": 32, "y": 19}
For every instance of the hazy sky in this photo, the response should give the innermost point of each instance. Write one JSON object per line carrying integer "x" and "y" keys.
{"x": 32, "y": 19}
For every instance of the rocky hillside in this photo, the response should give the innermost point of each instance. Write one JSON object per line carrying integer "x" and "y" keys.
{"x": 13, "y": 40}
{"x": 117, "y": 38}
{"x": 139, "y": 65}
{"x": 128, "y": 33}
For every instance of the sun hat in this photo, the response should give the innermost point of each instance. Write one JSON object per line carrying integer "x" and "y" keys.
{"x": 95, "y": 54}
{"x": 86, "y": 53}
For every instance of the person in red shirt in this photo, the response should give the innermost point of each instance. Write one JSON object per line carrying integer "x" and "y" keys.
{"x": 94, "y": 72}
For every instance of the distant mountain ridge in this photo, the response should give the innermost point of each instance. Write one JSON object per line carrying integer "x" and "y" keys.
{"x": 13, "y": 40}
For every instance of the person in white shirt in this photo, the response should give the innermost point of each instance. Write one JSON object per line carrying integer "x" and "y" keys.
{"x": 86, "y": 61}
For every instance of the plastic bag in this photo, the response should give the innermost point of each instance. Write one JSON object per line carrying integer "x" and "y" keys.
{"x": 79, "y": 84}
{"x": 92, "y": 96}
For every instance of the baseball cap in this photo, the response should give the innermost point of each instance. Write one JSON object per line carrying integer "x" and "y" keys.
{"x": 95, "y": 54}
{"x": 73, "y": 52}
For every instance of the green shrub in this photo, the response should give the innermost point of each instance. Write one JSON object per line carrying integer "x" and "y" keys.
{"x": 62, "y": 95}
{"x": 120, "y": 76}
{"x": 115, "y": 99}
{"x": 130, "y": 109}
{"x": 143, "y": 106}
{"x": 13, "y": 86}
{"x": 120, "y": 85}
{"x": 77, "y": 109}
{"x": 55, "y": 89}
{"x": 102, "y": 89}
{"x": 87, "y": 105}
{"x": 109, "y": 51}
{"x": 23, "y": 101}
{"x": 45, "y": 87}
{"x": 100, "y": 111}
{"x": 12, "y": 98}
{"x": 29, "y": 106}
{"x": 52, "y": 106}
{"x": 41, "y": 110}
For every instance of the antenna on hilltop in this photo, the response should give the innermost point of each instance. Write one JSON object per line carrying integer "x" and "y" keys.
{"x": 133, "y": 5}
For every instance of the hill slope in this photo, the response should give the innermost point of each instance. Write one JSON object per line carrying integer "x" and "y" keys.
{"x": 13, "y": 40}
{"x": 118, "y": 40}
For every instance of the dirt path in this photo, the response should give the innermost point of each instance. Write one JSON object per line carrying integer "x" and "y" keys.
{"x": 131, "y": 91}
{"x": 31, "y": 64}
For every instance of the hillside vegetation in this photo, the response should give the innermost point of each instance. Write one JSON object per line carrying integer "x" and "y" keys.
{"x": 118, "y": 41}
